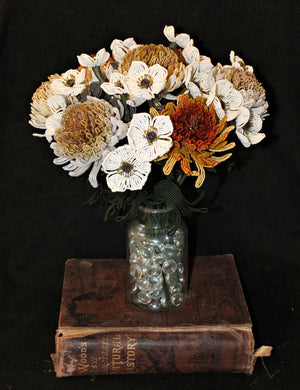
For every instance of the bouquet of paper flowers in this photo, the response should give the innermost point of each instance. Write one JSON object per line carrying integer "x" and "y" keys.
{"x": 144, "y": 117}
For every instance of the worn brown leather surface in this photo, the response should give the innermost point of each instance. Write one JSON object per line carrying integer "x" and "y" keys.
{"x": 101, "y": 333}
{"x": 94, "y": 295}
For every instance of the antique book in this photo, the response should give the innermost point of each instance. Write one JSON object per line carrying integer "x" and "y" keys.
{"x": 99, "y": 332}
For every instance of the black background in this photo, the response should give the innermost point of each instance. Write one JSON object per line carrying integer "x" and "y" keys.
{"x": 44, "y": 222}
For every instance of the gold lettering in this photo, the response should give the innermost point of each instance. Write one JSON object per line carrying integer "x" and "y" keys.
{"x": 116, "y": 353}
{"x": 83, "y": 363}
{"x": 104, "y": 355}
{"x": 131, "y": 354}
{"x": 82, "y": 368}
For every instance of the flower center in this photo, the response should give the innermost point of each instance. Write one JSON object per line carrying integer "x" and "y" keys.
{"x": 151, "y": 135}
{"x": 244, "y": 80}
{"x": 194, "y": 124}
{"x": 118, "y": 84}
{"x": 70, "y": 82}
{"x": 145, "y": 81}
{"x": 126, "y": 167}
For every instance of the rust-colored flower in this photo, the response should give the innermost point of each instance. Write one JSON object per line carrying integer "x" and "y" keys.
{"x": 197, "y": 136}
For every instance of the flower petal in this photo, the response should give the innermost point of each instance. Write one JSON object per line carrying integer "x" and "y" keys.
{"x": 256, "y": 138}
{"x": 190, "y": 54}
{"x": 243, "y": 118}
{"x": 255, "y": 124}
{"x": 157, "y": 71}
{"x": 57, "y": 103}
{"x": 241, "y": 136}
{"x": 94, "y": 172}
{"x": 137, "y": 68}
{"x": 80, "y": 76}
{"x": 86, "y": 60}
{"x": 80, "y": 170}
{"x": 223, "y": 87}
{"x": 233, "y": 100}
{"x": 164, "y": 124}
{"x": 101, "y": 58}
{"x": 182, "y": 40}
{"x": 169, "y": 33}
{"x": 135, "y": 100}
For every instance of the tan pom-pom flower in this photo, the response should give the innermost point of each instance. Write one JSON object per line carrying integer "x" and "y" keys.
{"x": 88, "y": 132}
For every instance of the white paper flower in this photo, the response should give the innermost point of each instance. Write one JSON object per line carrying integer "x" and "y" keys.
{"x": 231, "y": 99}
{"x": 150, "y": 138}
{"x": 119, "y": 48}
{"x": 249, "y": 133}
{"x": 239, "y": 79}
{"x": 124, "y": 170}
{"x": 144, "y": 82}
{"x": 99, "y": 59}
{"x": 181, "y": 40}
{"x": 199, "y": 76}
{"x": 70, "y": 83}
{"x": 116, "y": 84}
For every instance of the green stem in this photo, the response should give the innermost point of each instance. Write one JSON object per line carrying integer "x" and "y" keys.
{"x": 127, "y": 116}
{"x": 173, "y": 45}
{"x": 182, "y": 91}
{"x": 151, "y": 103}
{"x": 181, "y": 178}
{"x": 98, "y": 74}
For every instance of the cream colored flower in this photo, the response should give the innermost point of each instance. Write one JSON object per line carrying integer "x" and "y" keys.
{"x": 40, "y": 109}
{"x": 99, "y": 59}
{"x": 249, "y": 133}
{"x": 57, "y": 104}
{"x": 150, "y": 138}
{"x": 232, "y": 100}
{"x": 199, "y": 77}
{"x": 119, "y": 48}
{"x": 124, "y": 170}
{"x": 171, "y": 60}
{"x": 70, "y": 83}
{"x": 145, "y": 82}
{"x": 253, "y": 110}
{"x": 84, "y": 134}
{"x": 181, "y": 40}
{"x": 116, "y": 84}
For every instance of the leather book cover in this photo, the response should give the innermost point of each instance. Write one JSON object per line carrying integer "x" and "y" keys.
{"x": 99, "y": 332}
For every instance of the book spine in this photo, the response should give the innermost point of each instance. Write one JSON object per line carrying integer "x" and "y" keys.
{"x": 139, "y": 352}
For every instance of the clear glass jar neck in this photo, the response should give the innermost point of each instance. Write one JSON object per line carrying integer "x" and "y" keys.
{"x": 157, "y": 218}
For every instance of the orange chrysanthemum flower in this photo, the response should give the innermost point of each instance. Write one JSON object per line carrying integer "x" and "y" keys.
{"x": 197, "y": 136}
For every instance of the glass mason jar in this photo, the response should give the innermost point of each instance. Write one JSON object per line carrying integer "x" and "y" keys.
{"x": 158, "y": 259}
